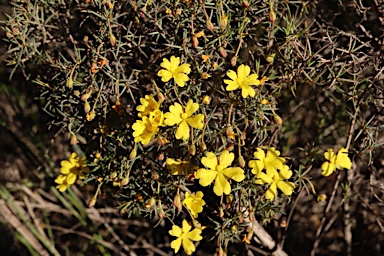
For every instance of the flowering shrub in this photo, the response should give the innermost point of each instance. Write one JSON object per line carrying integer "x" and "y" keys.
{"x": 149, "y": 92}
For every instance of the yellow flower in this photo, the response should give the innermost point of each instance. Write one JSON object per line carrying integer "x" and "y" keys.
{"x": 144, "y": 130}
{"x": 63, "y": 182}
{"x": 183, "y": 118}
{"x": 71, "y": 169}
{"x": 205, "y": 57}
{"x": 178, "y": 167}
{"x": 339, "y": 161}
{"x": 219, "y": 172}
{"x": 206, "y": 100}
{"x": 277, "y": 180}
{"x": 185, "y": 237}
{"x": 173, "y": 70}
{"x": 200, "y": 34}
{"x": 243, "y": 80}
{"x": 157, "y": 117}
{"x": 194, "y": 202}
{"x": 271, "y": 162}
{"x": 148, "y": 105}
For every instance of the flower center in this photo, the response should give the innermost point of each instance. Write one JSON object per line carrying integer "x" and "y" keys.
{"x": 148, "y": 127}
{"x": 184, "y": 116}
{"x": 239, "y": 81}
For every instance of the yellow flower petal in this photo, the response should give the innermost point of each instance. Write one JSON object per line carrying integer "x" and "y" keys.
{"x": 286, "y": 187}
{"x": 166, "y": 64}
{"x": 210, "y": 161}
{"x": 235, "y": 173}
{"x": 342, "y": 159}
{"x": 221, "y": 185}
{"x": 180, "y": 79}
{"x": 176, "y": 244}
{"x": 165, "y": 75}
{"x": 271, "y": 192}
{"x": 226, "y": 159}
{"x": 183, "y": 68}
{"x": 182, "y": 132}
{"x": 231, "y": 74}
{"x": 231, "y": 85}
{"x": 175, "y": 61}
{"x": 175, "y": 231}
{"x": 205, "y": 176}
{"x": 251, "y": 80}
{"x": 243, "y": 71}
{"x": 256, "y": 165}
{"x": 285, "y": 173}
{"x": 194, "y": 235}
{"x": 328, "y": 168}
{"x": 188, "y": 246}
{"x": 196, "y": 121}
{"x": 191, "y": 108}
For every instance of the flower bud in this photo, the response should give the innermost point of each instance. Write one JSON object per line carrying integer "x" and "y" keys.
{"x": 220, "y": 251}
{"x": 133, "y": 153}
{"x": 195, "y": 41}
{"x": 233, "y": 61}
{"x": 87, "y": 107}
{"x": 245, "y": 4}
{"x": 206, "y": 100}
{"x": 192, "y": 149}
{"x": 73, "y": 139}
{"x": 224, "y": 21}
{"x": 70, "y": 82}
{"x": 278, "y": 119}
{"x": 241, "y": 161}
{"x": 229, "y": 200}
{"x": 160, "y": 97}
{"x": 203, "y": 146}
{"x": 177, "y": 203}
{"x": 272, "y": 15}
{"x": 234, "y": 229}
{"x": 270, "y": 58}
{"x": 91, "y": 115}
{"x": 86, "y": 96}
{"x": 223, "y": 52}
{"x": 92, "y": 202}
{"x": 230, "y": 146}
{"x": 230, "y": 133}
{"x": 221, "y": 212}
{"x": 113, "y": 175}
{"x": 151, "y": 202}
{"x": 98, "y": 156}
{"x": 160, "y": 210}
{"x": 112, "y": 38}
{"x": 124, "y": 181}
{"x": 209, "y": 25}
{"x": 321, "y": 197}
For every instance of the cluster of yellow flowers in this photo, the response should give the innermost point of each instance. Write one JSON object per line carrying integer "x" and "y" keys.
{"x": 268, "y": 166}
{"x": 152, "y": 118}
{"x": 71, "y": 169}
{"x": 242, "y": 79}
